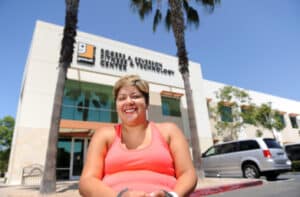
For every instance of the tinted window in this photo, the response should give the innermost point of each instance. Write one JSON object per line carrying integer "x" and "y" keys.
{"x": 293, "y": 152}
{"x": 271, "y": 143}
{"x": 248, "y": 145}
{"x": 228, "y": 148}
{"x": 212, "y": 151}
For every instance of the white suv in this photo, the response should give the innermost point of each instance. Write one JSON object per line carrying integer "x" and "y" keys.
{"x": 250, "y": 158}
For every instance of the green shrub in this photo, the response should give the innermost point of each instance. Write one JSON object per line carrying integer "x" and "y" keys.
{"x": 296, "y": 165}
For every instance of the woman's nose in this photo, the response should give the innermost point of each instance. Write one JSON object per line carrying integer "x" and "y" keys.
{"x": 129, "y": 99}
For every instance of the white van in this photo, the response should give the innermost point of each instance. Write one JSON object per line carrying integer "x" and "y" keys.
{"x": 250, "y": 158}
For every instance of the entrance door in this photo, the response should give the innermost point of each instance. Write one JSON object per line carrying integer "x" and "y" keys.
{"x": 70, "y": 157}
{"x": 79, "y": 147}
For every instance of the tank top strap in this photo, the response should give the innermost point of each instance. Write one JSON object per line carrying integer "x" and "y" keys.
{"x": 157, "y": 135}
{"x": 118, "y": 129}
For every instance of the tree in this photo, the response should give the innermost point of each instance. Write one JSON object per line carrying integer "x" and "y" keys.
{"x": 235, "y": 109}
{"x": 48, "y": 184}
{"x": 177, "y": 21}
{"x": 7, "y": 125}
{"x": 268, "y": 118}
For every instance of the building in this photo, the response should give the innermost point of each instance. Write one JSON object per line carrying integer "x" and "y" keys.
{"x": 88, "y": 103}
{"x": 97, "y": 65}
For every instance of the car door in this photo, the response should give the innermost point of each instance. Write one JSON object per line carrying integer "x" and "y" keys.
{"x": 210, "y": 161}
{"x": 229, "y": 161}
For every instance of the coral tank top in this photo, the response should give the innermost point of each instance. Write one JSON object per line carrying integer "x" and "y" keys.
{"x": 147, "y": 169}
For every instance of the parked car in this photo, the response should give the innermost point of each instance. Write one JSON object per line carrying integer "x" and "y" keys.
{"x": 250, "y": 158}
{"x": 293, "y": 151}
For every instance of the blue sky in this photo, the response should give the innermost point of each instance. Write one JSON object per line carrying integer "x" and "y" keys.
{"x": 252, "y": 44}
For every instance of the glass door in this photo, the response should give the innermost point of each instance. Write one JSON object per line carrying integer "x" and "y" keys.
{"x": 77, "y": 157}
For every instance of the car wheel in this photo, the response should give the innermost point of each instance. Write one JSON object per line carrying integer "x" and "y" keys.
{"x": 251, "y": 171}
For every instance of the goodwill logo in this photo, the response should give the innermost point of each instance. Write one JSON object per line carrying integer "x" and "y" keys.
{"x": 86, "y": 53}
{"x": 115, "y": 60}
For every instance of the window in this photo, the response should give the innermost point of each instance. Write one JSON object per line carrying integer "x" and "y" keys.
{"x": 63, "y": 158}
{"x": 280, "y": 118}
{"x": 247, "y": 114}
{"x": 88, "y": 102}
{"x": 294, "y": 123}
{"x": 248, "y": 145}
{"x": 271, "y": 143}
{"x": 226, "y": 113}
{"x": 212, "y": 151}
{"x": 170, "y": 106}
{"x": 229, "y": 148}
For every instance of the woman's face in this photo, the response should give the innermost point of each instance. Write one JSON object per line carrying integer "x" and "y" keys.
{"x": 131, "y": 105}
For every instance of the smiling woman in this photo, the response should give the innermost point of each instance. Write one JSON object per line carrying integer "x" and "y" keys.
{"x": 137, "y": 157}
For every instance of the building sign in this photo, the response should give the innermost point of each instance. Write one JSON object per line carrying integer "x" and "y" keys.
{"x": 86, "y": 53}
{"x": 115, "y": 60}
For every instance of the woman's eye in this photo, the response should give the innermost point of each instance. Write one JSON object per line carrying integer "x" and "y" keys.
{"x": 121, "y": 98}
{"x": 136, "y": 96}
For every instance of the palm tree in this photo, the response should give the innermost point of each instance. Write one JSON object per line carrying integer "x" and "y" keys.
{"x": 48, "y": 184}
{"x": 178, "y": 14}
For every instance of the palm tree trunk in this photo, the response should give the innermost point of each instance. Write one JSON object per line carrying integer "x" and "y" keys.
{"x": 48, "y": 184}
{"x": 177, "y": 22}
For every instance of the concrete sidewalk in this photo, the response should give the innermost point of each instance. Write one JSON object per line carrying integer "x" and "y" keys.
{"x": 206, "y": 186}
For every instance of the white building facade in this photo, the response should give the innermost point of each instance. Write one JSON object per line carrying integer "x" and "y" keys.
{"x": 88, "y": 103}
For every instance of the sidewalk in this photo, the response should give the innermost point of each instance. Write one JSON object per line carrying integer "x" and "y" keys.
{"x": 206, "y": 186}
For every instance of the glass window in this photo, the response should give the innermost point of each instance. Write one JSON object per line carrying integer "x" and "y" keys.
{"x": 248, "y": 145}
{"x": 226, "y": 113}
{"x": 247, "y": 114}
{"x": 229, "y": 148}
{"x": 280, "y": 117}
{"x": 294, "y": 123}
{"x": 63, "y": 158}
{"x": 212, "y": 151}
{"x": 88, "y": 102}
{"x": 170, "y": 106}
{"x": 271, "y": 143}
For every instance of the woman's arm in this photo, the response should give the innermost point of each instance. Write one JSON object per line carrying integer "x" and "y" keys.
{"x": 185, "y": 171}
{"x": 90, "y": 183}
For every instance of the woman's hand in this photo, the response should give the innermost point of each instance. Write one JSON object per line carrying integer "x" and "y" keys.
{"x": 157, "y": 194}
{"x": 134, "y": 193}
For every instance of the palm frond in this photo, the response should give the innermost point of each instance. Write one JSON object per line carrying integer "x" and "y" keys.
{"x": 209, "y": 4}
{"x": 143, "y": 7}
{"x": 146, "y": 8}
{"x": 191, "y": 14}
{"x": 186, "y": 5}
{"x": 135, "y": 5}
{"x": 157, "y": 19}
{"x": 168, "y": 20}
{"x": 193, "y": 18}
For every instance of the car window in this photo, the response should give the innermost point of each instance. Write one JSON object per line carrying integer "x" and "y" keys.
{"x": 271, "y": 143}
{"x": 293, "y": 151}
{"x": 248, "y": 145}
{"x": 228, "y": 148}
{"x": 212, "y": 151}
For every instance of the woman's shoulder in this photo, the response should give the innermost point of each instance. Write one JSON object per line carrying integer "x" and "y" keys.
{"x": 166, "y": 126}
{"x": 105, "y": 132}
{"x": 167, "y": 129}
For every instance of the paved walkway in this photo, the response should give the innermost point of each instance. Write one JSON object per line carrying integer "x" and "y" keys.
{"x": 205, "y": 187}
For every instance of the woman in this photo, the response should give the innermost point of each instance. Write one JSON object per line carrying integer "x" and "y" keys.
{"x": 137, "y": 157}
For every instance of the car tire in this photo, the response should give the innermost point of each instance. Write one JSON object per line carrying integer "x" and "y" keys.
{"x": 251, "y": 171}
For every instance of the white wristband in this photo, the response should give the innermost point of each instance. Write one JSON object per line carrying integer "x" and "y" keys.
{"x": 173, "y": 194}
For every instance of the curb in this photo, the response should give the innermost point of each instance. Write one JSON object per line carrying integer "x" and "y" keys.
{"x": 224, "y": 188}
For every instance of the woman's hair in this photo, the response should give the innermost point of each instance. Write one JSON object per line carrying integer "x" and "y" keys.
{"x": 132, "y": 80}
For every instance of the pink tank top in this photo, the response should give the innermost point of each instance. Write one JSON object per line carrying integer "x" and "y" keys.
{"x": 148, "y": 169}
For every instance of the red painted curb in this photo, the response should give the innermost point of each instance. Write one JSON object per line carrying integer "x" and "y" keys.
{"x": 224, "y": 188}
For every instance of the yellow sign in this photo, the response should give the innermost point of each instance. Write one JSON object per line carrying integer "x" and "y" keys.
{"x": 86, "y": 53}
